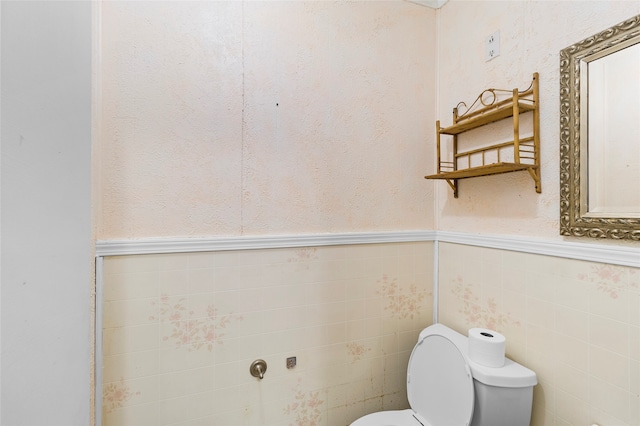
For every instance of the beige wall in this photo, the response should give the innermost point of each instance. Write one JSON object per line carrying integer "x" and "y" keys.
{"x": 573, "y": 322}
{"x": 249, "y": 118}
{"x": 532, "y": 33}
{"x": 262, "y": 118}
{"x": 254, "y": 118}
{"x": 181, "y": 330}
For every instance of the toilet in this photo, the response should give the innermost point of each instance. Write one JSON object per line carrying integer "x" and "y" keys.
{"x": 446, "y": 388}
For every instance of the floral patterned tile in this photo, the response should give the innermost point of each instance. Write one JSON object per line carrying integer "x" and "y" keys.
{"x": 398, "y": 304}
{"x": 181, "y": 329}
{"x": 117, "y": 395}
{"x": 477, "y": 314}
{"x": 306, "y": 407}
{"x": 202, "y": 338}
{"x": 609, "y": 279}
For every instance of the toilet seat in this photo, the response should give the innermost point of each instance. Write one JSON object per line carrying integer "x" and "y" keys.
{"x": 439, "y": 388}
{"x": 440, "y": 383}
{"x": 388, "y": 418}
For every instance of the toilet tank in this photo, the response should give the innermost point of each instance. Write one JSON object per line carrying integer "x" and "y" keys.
{"x": 499, "y": 406}
{"x": 503, "y": 395}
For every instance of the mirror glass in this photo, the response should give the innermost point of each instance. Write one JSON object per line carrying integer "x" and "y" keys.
{"x": 600, "y": 134}
{"x": 613, "y": 139}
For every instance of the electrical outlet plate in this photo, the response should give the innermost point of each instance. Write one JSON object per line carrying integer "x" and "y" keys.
{"x": 492, "y": 46}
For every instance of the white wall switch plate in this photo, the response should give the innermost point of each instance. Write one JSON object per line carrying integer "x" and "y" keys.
{"x": 492, "y": 46}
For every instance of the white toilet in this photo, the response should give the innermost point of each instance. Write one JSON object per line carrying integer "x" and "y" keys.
{"x": 446, "y": 388}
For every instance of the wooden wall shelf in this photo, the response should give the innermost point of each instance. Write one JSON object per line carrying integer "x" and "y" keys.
{"x": 525, "y": 151}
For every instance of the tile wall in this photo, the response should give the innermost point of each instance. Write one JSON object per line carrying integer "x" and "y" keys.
{"x": 180, "y": 332}
{"x": 575, "y": 323}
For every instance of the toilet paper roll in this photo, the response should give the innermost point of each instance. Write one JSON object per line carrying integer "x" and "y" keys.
{"x": 486, "y": 347}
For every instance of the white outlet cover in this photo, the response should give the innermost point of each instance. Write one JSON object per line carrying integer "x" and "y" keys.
{"x": 492, "y": 46}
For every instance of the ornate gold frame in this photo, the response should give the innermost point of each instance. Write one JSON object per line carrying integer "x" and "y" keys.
{"x": 573, "y": 220}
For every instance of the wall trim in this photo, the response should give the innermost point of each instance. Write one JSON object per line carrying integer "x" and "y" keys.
{"x": 616, "y": 255}
{"x": 184, "y": 245}
{"x": 98, "y": 355}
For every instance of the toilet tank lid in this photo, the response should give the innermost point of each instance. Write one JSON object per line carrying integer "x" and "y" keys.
{"x": 511, "y": 375}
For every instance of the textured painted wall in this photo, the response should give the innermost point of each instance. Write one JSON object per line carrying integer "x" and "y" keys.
{"x": 181, "y": 330}
{"x": 531, "y": 35}
{"x": 575, "y": 323}
{"x": 232, "y": 118}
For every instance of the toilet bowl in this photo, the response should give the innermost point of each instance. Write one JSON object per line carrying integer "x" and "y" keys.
{"x": 446, "y": 388}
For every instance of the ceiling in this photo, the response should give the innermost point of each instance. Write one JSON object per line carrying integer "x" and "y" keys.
{"x": 435, "y": 4}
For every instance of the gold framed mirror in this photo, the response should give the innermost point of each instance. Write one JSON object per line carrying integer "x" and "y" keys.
{"x": 600, "y": 134}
